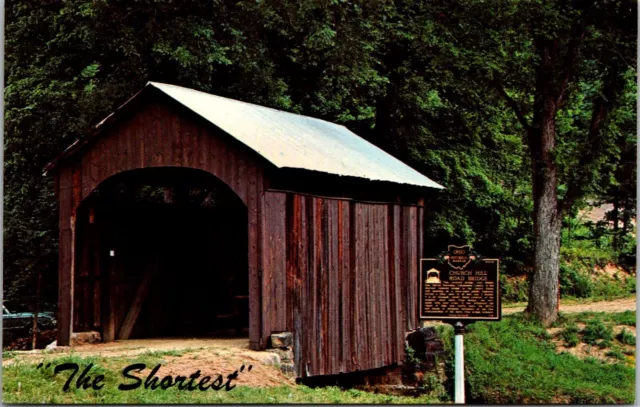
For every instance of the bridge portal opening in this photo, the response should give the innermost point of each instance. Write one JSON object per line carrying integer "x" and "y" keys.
{"x": 163, "y": 253}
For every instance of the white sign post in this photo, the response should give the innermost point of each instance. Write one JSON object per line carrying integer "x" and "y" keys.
{"x": 459, "y": 362}
{"x": 459, "y": 287}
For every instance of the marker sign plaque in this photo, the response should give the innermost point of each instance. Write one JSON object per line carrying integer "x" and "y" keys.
{"x": 460, "y": 285}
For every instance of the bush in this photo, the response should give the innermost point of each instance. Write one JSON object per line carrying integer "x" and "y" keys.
{"x": 625, "y": 318}
{"x": 574, "y": 283}
{"x": 593, "y": 243}
{"x": 514, "y": 290}
{"x": 595, "y": 330}
{"x": 627, "y": 337}
{"x": 570, "y": 335}
{"x": 604, "y": 344}
{"x": 615, "y": 353}
{"x": 631, "y": 284}
{"x": 577, "y": 280}
{"x": 627, "y": 256}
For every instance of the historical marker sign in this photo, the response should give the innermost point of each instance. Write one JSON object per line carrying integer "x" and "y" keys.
{"x": 460, "y": 285}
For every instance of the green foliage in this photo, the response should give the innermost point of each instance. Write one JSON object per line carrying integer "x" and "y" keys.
{"x": 595, "y": 243}
{"x": 595, "y": 330}
{"x": 585, "y": 247}
{"x": 574, "y": 283}
{"x": 434, "y": 388}
{"x": 618, "y": 318}
{"x": 626, "y": 337}
{"x": 421, "y": 80}
{"x": 616, "y": 353}
{"x": 625, "y": 318}
{"x": 570, "y": 335}
{"x": 410, "y": 356}
{"x": 513, "y": 290}
{"x": 578, "y": 282}
{"x": 430, "y": 382}
{"x": 509, "y": 362}
{"x": 606, "y": 288}
{"x": 627, "y": 251}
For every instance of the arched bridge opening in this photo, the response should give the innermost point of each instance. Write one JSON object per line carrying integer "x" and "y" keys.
{"x": 163, "y": 253}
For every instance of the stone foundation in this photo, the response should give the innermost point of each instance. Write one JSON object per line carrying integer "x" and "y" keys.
{"x": 422, "y": 372}
{"x": 281, "y": 344}
{"x": 427, "y": 360}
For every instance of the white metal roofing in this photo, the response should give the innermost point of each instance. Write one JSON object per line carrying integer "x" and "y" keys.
{"x": 289, "y": 140}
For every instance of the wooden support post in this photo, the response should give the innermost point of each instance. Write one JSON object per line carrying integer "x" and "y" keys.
{"x": 132, "y": 315}
{"x": 255, "y": 202}
{"x": 65, "y": 290}
{"x": 65, "y": 262}
{"x": 108, "y": 273}
{"x": 108, "y": 317}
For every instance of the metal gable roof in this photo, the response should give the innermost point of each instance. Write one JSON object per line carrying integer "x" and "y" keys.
{"x": 289, "y": 140}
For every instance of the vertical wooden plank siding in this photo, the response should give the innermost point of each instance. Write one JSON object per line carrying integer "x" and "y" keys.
{"x": 344, "y": 277}
{"x": 349, "y": 284}
{"x": 274, "y": 304}
{"x": 397, "y": 290}
{"x": 341, "y": 275}
{"x": 412, "y": 266}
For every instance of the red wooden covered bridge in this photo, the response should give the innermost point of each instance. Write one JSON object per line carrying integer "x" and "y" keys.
{"x": 190, "y": 214}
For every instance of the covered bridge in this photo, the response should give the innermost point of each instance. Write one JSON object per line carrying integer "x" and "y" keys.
{"x": 191, "y": 214}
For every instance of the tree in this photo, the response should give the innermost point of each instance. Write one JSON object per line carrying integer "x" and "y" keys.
{"x": 71, "y": 63}
{"x": 552, "y": 60}
{"x": 474, "y": 94}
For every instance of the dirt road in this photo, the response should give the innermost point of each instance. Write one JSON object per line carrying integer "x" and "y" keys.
{"x": 625, "y": 304}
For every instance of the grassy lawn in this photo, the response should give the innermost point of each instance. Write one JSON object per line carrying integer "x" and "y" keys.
{"x": 515, "y": 362}
{"x": 615, "y": 318}
{"x": 26, "y": 383}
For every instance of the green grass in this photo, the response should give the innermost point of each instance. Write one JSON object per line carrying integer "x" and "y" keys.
{"x": 8, "y": 354}
{"x": 25, "y": 383}
{"x": 626, "y": 337}
{"x": 597, "y": 330}
{"x": 612, "y": 318}
{"x": 616, "y": 353}
{"x": 514, "y": 362}
{"x": 570, "y": 335}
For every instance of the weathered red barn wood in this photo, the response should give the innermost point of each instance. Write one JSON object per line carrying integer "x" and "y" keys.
{"x": 335, "y": 269}
{"x": 354, "y": 320}
{"x": 133, "y": 144}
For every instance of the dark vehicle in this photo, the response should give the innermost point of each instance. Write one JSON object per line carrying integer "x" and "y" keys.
{"x": 21, "y": 323}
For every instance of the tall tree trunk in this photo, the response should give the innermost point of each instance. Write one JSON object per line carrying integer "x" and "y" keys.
{"x": 625, "y": 221}
{"x": 544, "y": 286}
{"x": 544, "y": 289}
